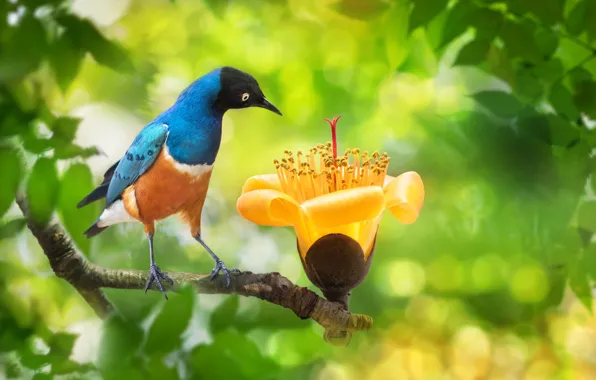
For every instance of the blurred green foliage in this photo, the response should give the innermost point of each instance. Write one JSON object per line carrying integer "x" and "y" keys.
{"x": 492, "y": 102}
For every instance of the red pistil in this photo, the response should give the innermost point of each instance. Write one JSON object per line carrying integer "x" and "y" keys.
{"x": 333, "y": 124}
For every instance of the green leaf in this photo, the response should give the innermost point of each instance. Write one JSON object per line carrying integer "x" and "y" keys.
{"x": 86, "y": 37}
{"x": 61, "y": 344}
{"x": 502, "y": 104}
{"x": 224, "y": 315}
{"x": 499, "y": 64}
{"x": 457, "y": 22}
{"x": 34, "y": 144}
{"x": 34, "y": 4}
{"x": 158, "y": 369}
{"x": 66, "y": 151}
{"x": 563, "y": 132}
{"x": 547, "y": 41}
{"x": 77, "y": 182}
{"x": 420, "y": 60}
{"x": 519, "y": 40}
{"x": 549, "y": 71}
{"x": 11, "y": 164}
{"x": 65, "y": 128}
{"x": 562, "y": 101}
{"x": 65, "y": 59}
{"x": 3, "y": 15}
{"x": 550, "y": 129}
{"x": 577, "y": 20}
{"x": 424, "y": 11}
{"x": 12, "y": 228}
{"x": 32, "y": 360}
{"x": 244, "y": 361}
{"x": 487, "y": 23}
{"x": 13, "y": 121}
{"x": 527, "y": 85}
{"x": 120, "y": 343}
{"x": 13, "y": 369}
{"x": 535, "y": 126}
{"x": 549, "y": 12}
{"x": 67, "y": 366}
{"x": 43, "y": 188}
{"x": 165, "y": 333}
{"x": 577, "y": 76}
{"x": 591, "y": 25}
{"x": 17, "y": 57}
{"x": 585, "y": 98}
{"x": 395, "y": 34}
{"x": 586, "y": 216}
{"x": 473, "y": 53}
{"x": 579, "y": 283}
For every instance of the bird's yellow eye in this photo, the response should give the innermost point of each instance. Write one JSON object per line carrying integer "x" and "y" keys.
{"x": 245, "y": 96}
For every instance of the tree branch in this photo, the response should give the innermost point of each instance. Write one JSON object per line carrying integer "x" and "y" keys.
{"x": 88, "y": 279}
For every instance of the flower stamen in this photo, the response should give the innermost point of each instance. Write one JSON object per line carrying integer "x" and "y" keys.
{"x": 322, "y": 171}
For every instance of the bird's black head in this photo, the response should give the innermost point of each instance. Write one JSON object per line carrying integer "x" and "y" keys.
{"x": 240, "y": 90}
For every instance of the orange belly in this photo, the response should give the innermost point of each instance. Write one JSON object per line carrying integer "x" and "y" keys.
{"x": 164, "y": 190}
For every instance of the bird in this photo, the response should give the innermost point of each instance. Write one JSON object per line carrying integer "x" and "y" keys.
{"x": 167, "y": 168}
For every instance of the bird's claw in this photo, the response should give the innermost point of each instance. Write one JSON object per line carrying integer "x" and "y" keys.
{"x": 220, "y": 266}
{"x": 155, "y": 274}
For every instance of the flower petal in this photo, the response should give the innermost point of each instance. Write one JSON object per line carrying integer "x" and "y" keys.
{"x": 269, "y": 208}
{"x": 367, "y": 235}
{"x": 387, "y": 181}
{"x": 404, "y": 197}
{"x": 263, "y": 181}
{"x": 345, "y": 206}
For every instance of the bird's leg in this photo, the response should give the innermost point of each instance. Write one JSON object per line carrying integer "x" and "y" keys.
{"x": 219, "y": 265}
{"x": 155, "y": 274}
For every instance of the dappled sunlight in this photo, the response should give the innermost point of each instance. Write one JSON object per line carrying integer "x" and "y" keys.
{"x": 491, "y": 103}
{"x": 406, "y": 278}
{"x": 430, "y": 348}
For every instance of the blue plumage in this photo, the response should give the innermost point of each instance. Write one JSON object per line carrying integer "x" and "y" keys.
{"x": 137, "y": 160}
{"x": 195, "y": 125}
{"x": 191, "y": 129}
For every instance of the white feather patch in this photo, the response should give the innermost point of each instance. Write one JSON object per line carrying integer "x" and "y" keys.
{"x": 115, "y": 214}
{"x": 195, "y": 171}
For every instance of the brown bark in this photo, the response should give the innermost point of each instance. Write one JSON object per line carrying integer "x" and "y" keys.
{"x": 88, "y": 279}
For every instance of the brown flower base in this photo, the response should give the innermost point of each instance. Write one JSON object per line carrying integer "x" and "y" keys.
{"x": 335, "y": 263}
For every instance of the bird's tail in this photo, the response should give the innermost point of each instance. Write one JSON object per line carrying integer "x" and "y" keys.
{"x": 97, "y": 194}
{"x": 94, "y": 230}
{"x": 102, "y": 190}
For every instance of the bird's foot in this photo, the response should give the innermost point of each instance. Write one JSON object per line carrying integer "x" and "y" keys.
{"x": 155, "y": 274}
{"x": 220, "y": 266}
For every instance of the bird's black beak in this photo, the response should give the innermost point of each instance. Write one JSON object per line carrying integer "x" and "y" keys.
{"x": 268, "y": 106}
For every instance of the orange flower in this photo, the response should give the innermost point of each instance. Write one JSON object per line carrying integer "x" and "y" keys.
{"x": 321, "y": 193}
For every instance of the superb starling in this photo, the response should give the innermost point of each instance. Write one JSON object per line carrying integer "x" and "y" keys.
{"x": 167, "y": 168}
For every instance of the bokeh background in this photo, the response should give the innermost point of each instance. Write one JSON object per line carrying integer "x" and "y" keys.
{"x": 491, "y": 101}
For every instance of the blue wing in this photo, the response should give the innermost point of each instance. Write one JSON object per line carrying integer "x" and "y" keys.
{"x": 138, "y": 159}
